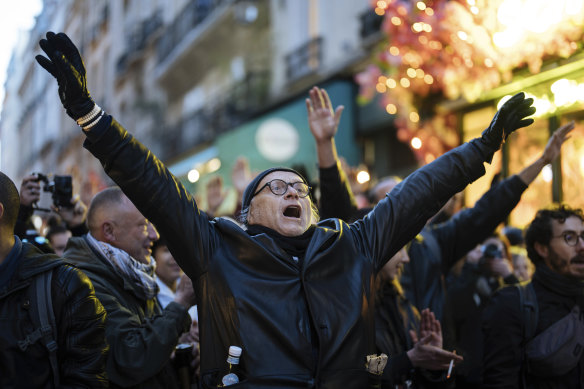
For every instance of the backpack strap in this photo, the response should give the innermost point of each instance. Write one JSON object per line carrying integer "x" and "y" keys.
{"x": 529, "y": 311}
{"x": 46, "y": 317}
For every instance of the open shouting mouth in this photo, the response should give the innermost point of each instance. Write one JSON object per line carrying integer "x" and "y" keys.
{"x": 292, "y": 211}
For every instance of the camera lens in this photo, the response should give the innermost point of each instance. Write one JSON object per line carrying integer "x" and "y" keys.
{"x": 491, "y": 251}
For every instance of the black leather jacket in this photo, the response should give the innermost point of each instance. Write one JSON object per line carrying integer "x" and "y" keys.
{"x": 252, "y": 294}
{"x": 80, "y": 320}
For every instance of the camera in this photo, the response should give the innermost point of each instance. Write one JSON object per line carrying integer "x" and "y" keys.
{"x": 61, "y": 188}
{"x": 489, "y": 251}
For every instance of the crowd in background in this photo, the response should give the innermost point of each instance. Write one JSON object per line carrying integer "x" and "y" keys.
{"x": 456, "y": 298}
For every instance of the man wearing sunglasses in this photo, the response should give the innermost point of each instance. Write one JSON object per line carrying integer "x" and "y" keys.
{"x": 294, "y": 293}
{"x": 550, "y": 357}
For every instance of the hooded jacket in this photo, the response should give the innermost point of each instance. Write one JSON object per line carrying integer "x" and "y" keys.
{"x": 141, "y": 336}
{"x": 80, "y": 321}
{"x": 254, "y": 295}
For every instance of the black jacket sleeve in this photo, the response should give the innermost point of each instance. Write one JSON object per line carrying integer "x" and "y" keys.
{"x": 156, "y": 193}
{"x": 457, "y": 236}
{"x": 336, "y": 197}
{"x": 397, "y": 218}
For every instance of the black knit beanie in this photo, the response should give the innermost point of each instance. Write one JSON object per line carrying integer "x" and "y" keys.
{"x": 253, "y": 185}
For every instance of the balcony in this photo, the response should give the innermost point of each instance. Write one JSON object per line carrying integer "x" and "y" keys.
{"x": 137, "y": 40}
{"x": 235, "y": 107}
{"x": 371, "y": 26}
{"x": 205, "y": 34}
{"x": 192, "y": 16}
{"x": 305, "y": 60}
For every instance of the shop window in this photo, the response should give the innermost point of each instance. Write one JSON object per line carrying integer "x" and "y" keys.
{"x": 572, "y": 164}
{"x": 525, "y": 146}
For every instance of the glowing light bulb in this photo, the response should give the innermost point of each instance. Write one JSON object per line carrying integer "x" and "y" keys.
{"x": 411, "y": 72}
{"x": 414, "y": 117}
{"x": 404, "y": 82}
{"x": 462, "y": 35}
{"x": 421, "y": 5}
{"x": 213, "y": 165}
{"x": 391, "y": 83}
{"x": 547, "y": 173}
{"x": 193, "y": 175}
{"x": 416, "y": 143}
{"x": 394, "y": 51}
{"x": 396, "y": 20}
{"x": 363, "y": 177}
{"x": 391, "y": 109}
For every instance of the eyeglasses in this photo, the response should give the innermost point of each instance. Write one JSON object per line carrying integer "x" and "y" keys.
{"x": 571, "y": 237}
{"x": 280, "y": 187}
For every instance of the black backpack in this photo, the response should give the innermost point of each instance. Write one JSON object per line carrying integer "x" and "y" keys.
{"x": 44, "y": 319}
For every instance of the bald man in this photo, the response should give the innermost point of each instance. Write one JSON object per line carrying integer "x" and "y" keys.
{"x": 115, "y": 254}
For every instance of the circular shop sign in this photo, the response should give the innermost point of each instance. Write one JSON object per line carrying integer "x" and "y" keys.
{"x": 277, "y": 140}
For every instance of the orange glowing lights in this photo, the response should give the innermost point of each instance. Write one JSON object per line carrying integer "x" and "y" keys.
{"x": 391, "y": 109}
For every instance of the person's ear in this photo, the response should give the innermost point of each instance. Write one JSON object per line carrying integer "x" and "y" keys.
{"x": 108, "y": 232}
{"x": 542, "y": 250}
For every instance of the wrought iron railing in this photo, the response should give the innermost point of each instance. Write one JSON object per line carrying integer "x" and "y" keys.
{"x": 304, "y": 60}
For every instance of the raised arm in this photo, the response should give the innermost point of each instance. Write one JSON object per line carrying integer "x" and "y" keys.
{"x": 336, "y": 197}
{"x": 142, "y": 176}
{"x": 471, "y": 226}
{"x": 550, "y": 153}
{"x": 406, "y": 209}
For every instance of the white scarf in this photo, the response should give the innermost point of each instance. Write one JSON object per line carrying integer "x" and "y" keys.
{"x": 137, "y": 272}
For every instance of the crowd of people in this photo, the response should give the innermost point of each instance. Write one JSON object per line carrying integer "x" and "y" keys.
{"x": 402, "y": 288}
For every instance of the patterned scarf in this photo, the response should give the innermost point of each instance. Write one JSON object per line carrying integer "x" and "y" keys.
{"x": 139, "y": 273}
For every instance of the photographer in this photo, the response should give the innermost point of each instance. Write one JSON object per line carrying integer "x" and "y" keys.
{"x": 71, "y": 210}
{"x": 486, "y": 268}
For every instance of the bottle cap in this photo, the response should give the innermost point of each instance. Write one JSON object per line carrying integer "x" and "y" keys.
{"x": 235, "y": 351}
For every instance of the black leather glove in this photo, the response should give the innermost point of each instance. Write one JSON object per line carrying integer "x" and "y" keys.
{"x": 509, "y": 118}
{"x": 66, "y": 65}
